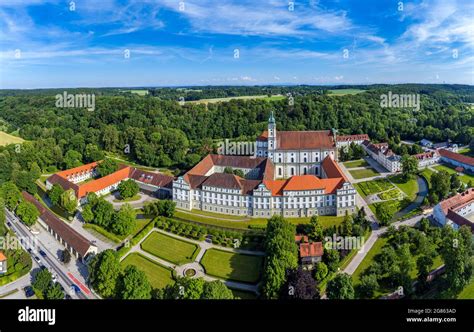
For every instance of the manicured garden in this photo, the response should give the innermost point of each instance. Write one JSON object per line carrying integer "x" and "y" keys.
{"x": 169, "y": 248}
{"x": 158, "y": 275}
{"x": 232, "y": 266}
{"x": 410, "y": 187}
{"x": 367, "y": 172}
{"x": 355, "y": 163}
{"x": 372, "y": 187}
{"x": 390, "y": 194}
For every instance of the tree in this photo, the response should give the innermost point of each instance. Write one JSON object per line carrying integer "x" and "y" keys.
{"x": 440, "y": 184}
{"x": 128, "y": 188}
{"x": 340, "y": 287}
{"x": 68, "y": 201}
{"x": 300, "y": 285}
{"x": 331, "y": 258}
{"x": 423, "y": 264}
{"x": 124, "y": 220}
{"x": 72, "y": 159}
{"x": 10, "y": 193}
{"x": 66, "y": 255}
{"x": 54, "y": 292}
{"x": 409, "y": 166}
{"x": 103, "y": 213}
{"x": 104, "y": 269}
{"x": 87, "y": 213}
{"x": 228, "y": 170}
{"x": 384, "y": 214}
{"x": 55, "y": 194}
{"x": 314, "y": 229}
{"x": 27, "y": 212}
{"x": 455, "y": 182}
{"x": 239, "y": 172}
{"x": 42, "y": 280}
{"x": 93, "y": 153}
{"x": 321, "y": 271}
{"x": 134, "y": 284}
{"x": 185, "y": 289}
{"x": 106, "y": 167}
{"x": 216, "y": 290}
{"x": 281, "y": 252}
{"x": 368, "y": 285}
{"x": 346, "y": 225}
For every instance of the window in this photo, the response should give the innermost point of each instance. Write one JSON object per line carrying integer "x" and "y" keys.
{"x": 279, "y": 171}
{"x": 292, "y": 170}
{"x": 305, "y": 171}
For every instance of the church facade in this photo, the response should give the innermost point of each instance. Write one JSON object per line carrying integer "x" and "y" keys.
{"x": 293, "y": 174}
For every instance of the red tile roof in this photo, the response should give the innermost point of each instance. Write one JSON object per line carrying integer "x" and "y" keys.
{"x": 76, "y": 170}
{"x": 155, "y": 179}
{"x": 78, "y": 242}
{"x": 332, "y": 169}
{"x": 314, "y": 249}
{"x": 350, "y": 138}
{"x": 2, "y": 257}
{"x": 425, "y": 155}
{"x": 103, "y": 182}
{"x": 303, "y": 182}
{"x": 458, "y": 200}
{"x": 301, "y": 238}
{"x": 457, "y": 157}
{"x": 301, "y": 140}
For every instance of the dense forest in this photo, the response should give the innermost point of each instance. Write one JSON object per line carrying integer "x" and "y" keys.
{"x": 156, "y": 130}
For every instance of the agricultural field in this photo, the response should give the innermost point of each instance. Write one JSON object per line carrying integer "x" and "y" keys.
{"x": 355, "y": 163}
{"x": 6, "y": 139}
{"x": 363, "y": 173}
{"x": 232, "y": 266}
{"x": 372, "y": 187}
{"x": 158, "y": 275}
{"x": 342, "y": 92}
{"x": 217, "y": 100}
{"x": 169, "y": 248}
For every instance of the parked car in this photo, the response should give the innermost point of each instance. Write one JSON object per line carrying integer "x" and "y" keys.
{"x": 9, "y": 224}
{"x": 29, "y": 291}
{"x": 75, "y": 288}
{"x": 42, "y": 253}
{"x": 54, "y": 278}
{"x": 37, "y": 259}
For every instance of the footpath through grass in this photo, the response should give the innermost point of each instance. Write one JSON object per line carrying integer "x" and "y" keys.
{"x": 159, "y": 276}
{"x": 170, "y": 249}
{"x": 232, "y": 266}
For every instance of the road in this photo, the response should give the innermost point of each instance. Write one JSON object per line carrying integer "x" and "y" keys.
{"x": 359, "y": 257}
{"x": 50, "y": 261}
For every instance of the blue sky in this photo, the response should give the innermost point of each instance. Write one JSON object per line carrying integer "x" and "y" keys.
{"x": 63, "y": 43}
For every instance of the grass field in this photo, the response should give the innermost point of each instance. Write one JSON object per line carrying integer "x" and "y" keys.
{"x": 368, "y": 259}
{"x": 139, "y": 92}
{"x": 6, "y": 139}
{"x": 410, "y": 187}
{"x": 355, "y": 163}
{"x": 363, "y": 173}
{"x": 217, "y": 100}
{"x": 158, "y": 275}
{"x": 342, "y": 92}
{"x": 325, "y": 221}
{"x": 129, "y": 199}
{"x": 372, "y": 187}
{"x": 232, "y": 266}
{"x": 466, "y": 152}
{"x": 170, "y": 249}
{"x": 464, "y": 178}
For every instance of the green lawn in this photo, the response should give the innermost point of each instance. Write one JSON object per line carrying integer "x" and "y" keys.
{"x": 372, "y": 187}
{"x": 241, "y": 295}
{"x": 464, "y": 178}
{"x": 466, "y": 152}
{"x": 342, "y": 92}
{"x": 6, "y": 139}
{"x": 364, "y": 173}
{"x": 410, "y": 187}
{"x": 355, "y": 163}
{"x": 232, "y": 266}
{"x": 158, "y": 275}
{"x": 139, "y": 225}
{"x": 169, "y": 248}
{"x": 129, "y": 199}
{"x": 368, "y": 259}
{"x": 243, "y": 224}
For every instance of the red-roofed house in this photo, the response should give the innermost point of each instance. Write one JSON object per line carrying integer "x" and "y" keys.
{"x": 457, "y": 159}
{"x": 311, "y": 253}
{"x": 457, "y": 210}
{"x": 156, "y": 183}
